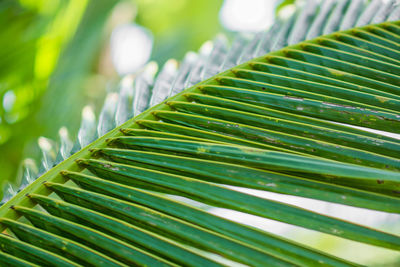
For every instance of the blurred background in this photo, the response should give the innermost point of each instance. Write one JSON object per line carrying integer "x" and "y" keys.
{"x": 56, "y": 56}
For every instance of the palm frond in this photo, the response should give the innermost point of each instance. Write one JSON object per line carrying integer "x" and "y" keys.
{"x": 286, "y": 123}
{"x": 143, "y": 90}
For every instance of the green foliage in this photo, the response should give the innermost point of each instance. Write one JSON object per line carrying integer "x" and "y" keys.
{"x": 55, "y": 59}
{"x": 35, "y": 34}
{"x": 65, "y": 87}
{"x": 284, "y": 123}
{"x": 178, "y": 26}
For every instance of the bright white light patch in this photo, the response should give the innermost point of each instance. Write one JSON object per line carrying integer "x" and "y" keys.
{"x": 44, "y": 144}
{"x": 63, "y": 132}
{"x": 88, "y": 114}
{"x": 206, "y": 48}
{"x": 247, "y": 16}
{"x": 131, "y": 47}
{"x": 9, "y": 100}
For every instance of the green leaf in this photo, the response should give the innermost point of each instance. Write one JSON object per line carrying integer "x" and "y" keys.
{"x": 124, "y": 231}
{"x": 253, "y": 178}
{"x": 297, "y": 121}
{"x": 223, "y": 197}
{"x": 264, "y": 241}
{"x": 101, "y": 242}
{"x": 56, "y": 244}
{"x": 27, "y": 252}
{"x": 168, "y": 226}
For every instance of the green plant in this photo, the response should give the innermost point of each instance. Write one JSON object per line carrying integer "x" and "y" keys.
{"x": 42, "y": 45}
{"x": 282, "y": 123}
